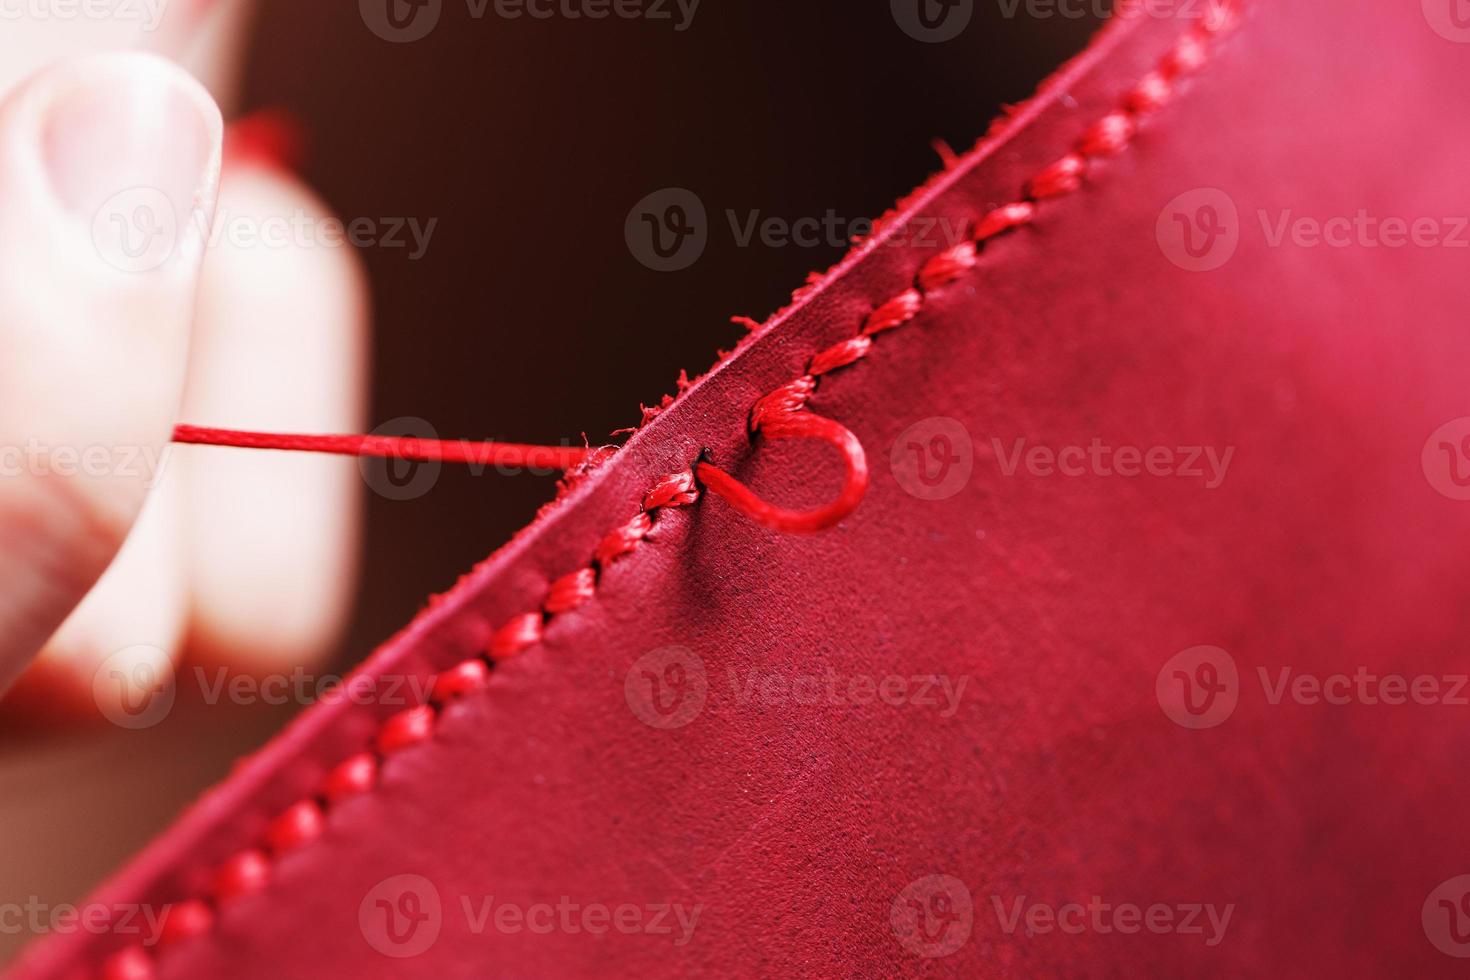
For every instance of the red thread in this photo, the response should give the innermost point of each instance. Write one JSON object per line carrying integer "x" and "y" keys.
{"x": 393, "y": 447}
{"x": 352, "y": 777}
{"x": 269, "y": 137}
{"x": 947, "y": 266}
{"x": 570, "y": 591}
{"x": 1004, "y": 218}
{"x": 185, "y": 921}
{"x": 674, "y": 490}
{"x": 1061, "y": 177}
{"x": 894, "y": 313}
{"x": 1149, "y": 94}
{"x": 1108, "y": 136}
{"x": 797, "y": 425}
{"x": 128, "y": 963}
{"x": 515, "y": 636}
{"x": 456, "y": 682}
{"x": 405, "y": 729}
{"x": 622, "y": 540}
{"x": 841, "y": 354}
{"x": 244, "y": 874}
{"x": 300, "y": 824}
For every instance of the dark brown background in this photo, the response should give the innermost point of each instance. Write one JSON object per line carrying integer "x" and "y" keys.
{"x": 528, "y": 318}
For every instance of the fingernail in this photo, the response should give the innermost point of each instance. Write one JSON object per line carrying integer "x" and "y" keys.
{"x": 131, "y": 133}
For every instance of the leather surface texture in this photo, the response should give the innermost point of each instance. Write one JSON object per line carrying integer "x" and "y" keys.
{"x": 1008, "y": 700}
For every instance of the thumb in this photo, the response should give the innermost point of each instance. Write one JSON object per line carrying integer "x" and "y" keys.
{"x": 108, "y": 171}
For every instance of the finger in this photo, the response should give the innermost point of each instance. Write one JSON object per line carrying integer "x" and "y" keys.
{"x": 108, "y": 167}
{"x": 280, "y": 344}
{"x": 198, "y": 33}
{"x": 140, "y": 604}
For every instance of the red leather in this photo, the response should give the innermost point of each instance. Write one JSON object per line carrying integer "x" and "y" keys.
{"x": 800, "y": 829}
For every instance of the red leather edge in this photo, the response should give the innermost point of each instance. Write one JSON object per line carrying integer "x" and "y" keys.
{"x": 710, "y": 413}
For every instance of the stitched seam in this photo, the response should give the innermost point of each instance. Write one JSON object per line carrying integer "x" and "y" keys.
{"x": 304, "y": 821}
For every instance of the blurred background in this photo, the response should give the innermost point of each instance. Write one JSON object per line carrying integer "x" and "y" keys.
{"x": 527, "y": 316}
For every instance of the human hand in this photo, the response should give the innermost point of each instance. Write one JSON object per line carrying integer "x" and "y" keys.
{"x": 122, "y": 313}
